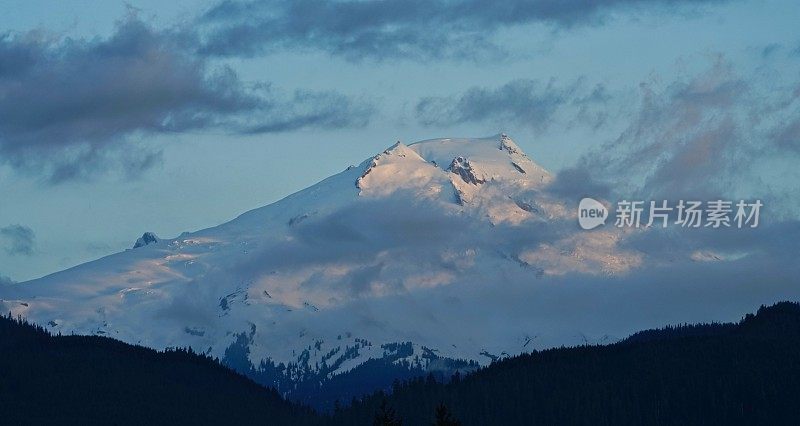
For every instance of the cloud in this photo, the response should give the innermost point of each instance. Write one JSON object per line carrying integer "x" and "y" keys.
{"x": 4, "y": 280}
{"x": 528, "y": 103}
{"x": 358, "y": 233}
{"x": 574, "y": 183}
{"x": 417, "y": 29}
{"x": 315, "y": 109}
{"x": 717, "y": 133}
{"x": 72, "y": 107}
{"x": 19, "y": 240}
{"x": 773, "y": 240}
{"x": 788, "y": 136}
{"x": 669, "y": 287}
{"x": 384, "y": 245}
{"x": 770, "y": 49}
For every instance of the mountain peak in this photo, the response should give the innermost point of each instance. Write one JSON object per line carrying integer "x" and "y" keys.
{"x": 291, "y": 275}
{"x": 496, "y": 157}
{"x": 399, "y": 149}
{"x": 392, "y": 168}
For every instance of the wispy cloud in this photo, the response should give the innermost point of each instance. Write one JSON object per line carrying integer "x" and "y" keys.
{"x": 328, "y": 109}
{"x": 18, "y": 240}
{"x": 523, "y": 102}
{"x": 72, "y": 107}
{"x": 704, "y": 135}
{"x": 416, "y": 29}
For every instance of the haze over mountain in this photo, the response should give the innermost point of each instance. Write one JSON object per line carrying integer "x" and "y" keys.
{"x": 458, "y": 246}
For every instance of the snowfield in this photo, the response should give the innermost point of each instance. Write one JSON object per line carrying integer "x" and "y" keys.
{"x": 455, "y": 245}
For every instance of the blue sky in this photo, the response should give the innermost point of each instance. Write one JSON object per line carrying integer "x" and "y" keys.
{"x": 118, "y": 118}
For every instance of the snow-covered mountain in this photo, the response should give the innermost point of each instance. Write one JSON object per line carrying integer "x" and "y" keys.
{"x": 411, "y": 245}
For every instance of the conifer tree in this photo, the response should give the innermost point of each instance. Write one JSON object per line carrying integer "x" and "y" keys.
{"x": 444, "y": 417}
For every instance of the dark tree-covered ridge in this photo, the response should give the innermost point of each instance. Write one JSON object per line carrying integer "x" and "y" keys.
{"x": 48, "y": 379}
{"x": 714, "y": 374}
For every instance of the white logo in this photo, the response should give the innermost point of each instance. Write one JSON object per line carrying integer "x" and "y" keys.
{"x": 591, "y": 213}
{"x": 687, "y": 214}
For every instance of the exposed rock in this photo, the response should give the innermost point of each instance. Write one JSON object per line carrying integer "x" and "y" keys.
{"x": 463, "y": 168}
{"x": 194, "y": 331}
{"x": 297, "y": 219}
{"x": 145, "y": 239}
{"x": 508, "y": 145}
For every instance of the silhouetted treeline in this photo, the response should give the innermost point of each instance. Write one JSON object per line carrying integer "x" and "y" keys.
{"x": 715, "y": 374}
{"x": 48, "y": 379}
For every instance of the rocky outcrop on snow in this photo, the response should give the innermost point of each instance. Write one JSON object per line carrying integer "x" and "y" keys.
{"x": 463, "y": 169}
{"x": 145, "y": 239}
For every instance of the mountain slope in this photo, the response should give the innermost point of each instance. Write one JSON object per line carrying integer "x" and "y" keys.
{"x": 296, "y": 274}
{"x": 457, "y": 247}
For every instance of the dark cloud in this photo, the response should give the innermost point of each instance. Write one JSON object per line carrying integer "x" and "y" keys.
{"x": 574, "y": 183}
{"x": 419, "y": 29}
{"x": 72, "y": 107}
{"x": 18, "y": 239}
{"x": 528, "y": 103}
{"x": 773, "y": 239}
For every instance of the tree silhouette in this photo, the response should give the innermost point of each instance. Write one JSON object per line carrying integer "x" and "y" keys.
{"x": 386, "y": 416}
{"x": 444, "y": 417}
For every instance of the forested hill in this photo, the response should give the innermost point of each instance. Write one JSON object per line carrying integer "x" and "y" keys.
{"x": 715, "y": 374}
{"x": 744, "y": 373}
{"x": 48, "y": 379}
